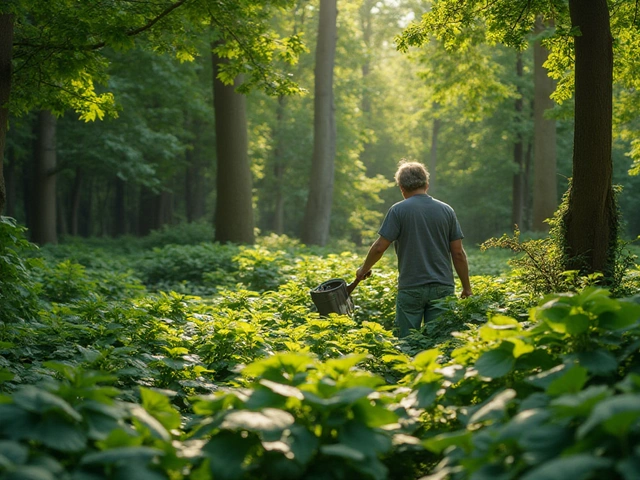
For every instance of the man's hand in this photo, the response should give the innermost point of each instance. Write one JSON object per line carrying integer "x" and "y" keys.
{"x": 361, "y": 274}
{"x": 466, "y": 293}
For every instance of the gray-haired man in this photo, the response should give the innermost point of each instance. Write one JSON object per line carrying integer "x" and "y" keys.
{"x": 427, "y": 238}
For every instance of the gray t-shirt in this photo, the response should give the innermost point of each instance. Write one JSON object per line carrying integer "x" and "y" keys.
{"x": 421, "y": 229}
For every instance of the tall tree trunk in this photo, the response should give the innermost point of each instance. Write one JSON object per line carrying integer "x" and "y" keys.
{"x": 545, "y": 184}
{"x": 518, "y": 189}
{"x": 195, "y": 194}
{"x": 591, "y": 221}
{"x": 234, "y": 185}
{"x": 44, "y": 188}
{"x": 76, "y": 191}
{"x": 366, "y": 23}
{"x": 6, "y": 47}
{"x": 148, "y": 211}
{"x": 119, "y": 209}
{"x": 433, "y": 153}
{"x": 317, "y": 218}
{"x": 10, "y": 184}
{"x": 85, "y": 211}
{"x": 278, "y": 167}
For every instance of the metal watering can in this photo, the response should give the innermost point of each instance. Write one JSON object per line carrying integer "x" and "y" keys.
{"x": 334, "y": 296}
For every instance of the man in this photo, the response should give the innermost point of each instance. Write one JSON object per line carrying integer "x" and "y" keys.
{"x": 427, "y": 237}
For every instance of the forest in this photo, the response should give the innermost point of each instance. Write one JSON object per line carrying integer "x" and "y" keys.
{"x": 178, "y": 175}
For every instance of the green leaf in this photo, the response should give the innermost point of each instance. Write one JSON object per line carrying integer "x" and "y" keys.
{"x": 373, "y": 415}
{"x": 626, "y": 315}
{"x": 575, "y": 467}
{"x": 598, "y": 362}
{"x": 342, "y": 451}
{"x": 439, "y": 443}
{"x": 14, "y": 451}
{"x": 370, "y": 442}
{"x": 496, "y": 363}
{"x": 282, "y": 389}
{"x": 36, "y": 400}
{"x": 226, "y": 453}
{"x": 29, "y": 472}
{"x": 494, "y": 408}
{"x": 580, "y": 404}
{"x": 122, "y": 454}
{"x": 265, "y": 421}
{"x": 571, "y": 381}
{"x": 150, "y": 422}
{"x": 544, "y": 379}
{"x": 616, "y": 415}
{"x": 629, "y": 468}
{"x": 59, "y": 435}
{"x": 344, "y": 397}
{"x": 159, "y": 406}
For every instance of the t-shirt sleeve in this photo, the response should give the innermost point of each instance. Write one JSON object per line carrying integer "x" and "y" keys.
{"x": 455, "y": 232}
{"x": 390, "y": 228}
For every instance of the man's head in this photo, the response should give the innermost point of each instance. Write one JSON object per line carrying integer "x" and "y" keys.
{"x": 412, "y": 176}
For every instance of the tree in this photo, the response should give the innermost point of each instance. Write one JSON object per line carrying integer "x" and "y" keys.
{"x": 58, "y": 48}
{"x": 590, "y": 222}
{"x": 234, "y": 203}
{"x": 315, "y": 229}
{"x": 545, "y": 190}
{"x": 6, "y": 43}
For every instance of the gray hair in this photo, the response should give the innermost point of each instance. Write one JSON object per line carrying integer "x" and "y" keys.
{"x": 411, "y": 176}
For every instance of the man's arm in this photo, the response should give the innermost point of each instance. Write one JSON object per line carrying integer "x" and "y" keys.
{"x": 459, "y": 257}
{"x": 375, "y": 253}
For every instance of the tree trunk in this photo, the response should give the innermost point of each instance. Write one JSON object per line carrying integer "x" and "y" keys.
{"x": 76, "y": 190}
{"x": 119, "y": 209}
{"x": 591, "y": 220}
{"x": 518, "y": 154}
{"x": 234, "y": 185}
{"x": 148, "y": 211}
{"x": 195, "y": 195}
{"x": 317, "y": 219}
{"x": 10, "y": 184}
{"x": 44, "y": 189}
{"x": 278, "y": 168}
{"x": 545, "y": 184}
{"x": 433, "y": 154}
{"x": 366, "y": 23}
{"x": 6, "y": 47}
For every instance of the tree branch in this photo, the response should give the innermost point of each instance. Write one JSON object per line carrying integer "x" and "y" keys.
{"x": 98, "y": 46}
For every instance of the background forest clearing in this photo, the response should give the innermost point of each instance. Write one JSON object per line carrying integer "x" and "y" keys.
{"x": 104, "y": 376}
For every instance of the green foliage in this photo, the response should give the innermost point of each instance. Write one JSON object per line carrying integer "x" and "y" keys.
{"x": 18, "y": 300}
{"x": 253, "y": 384}
{"x": 185, "y": 233}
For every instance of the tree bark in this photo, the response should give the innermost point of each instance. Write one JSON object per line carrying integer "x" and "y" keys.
{"x": 10, "y": 184}
{"x": 6, "y": 47}
{"x": 317, "y": 219}
{"x": 545, "y": 184}
{"x": 433, "y": 153}
{"x": 234, "y": 185}
{"x": 44, "y": 211}
{"x": 278, "y": 168}
{"x": 119, "y": 209}
{"x": 76, "y": 191}
{"x": 195, "y": 194}
{"x": 591, "y": 221}
{"x": 148, "y": 211}
{"x": 518, "y": 190}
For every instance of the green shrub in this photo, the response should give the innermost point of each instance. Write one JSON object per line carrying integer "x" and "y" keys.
{"x": 184, "y": 233}
{"x": 18, "y": 292}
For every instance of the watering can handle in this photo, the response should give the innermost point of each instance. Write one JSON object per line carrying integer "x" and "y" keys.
{"x": 355, "y": 283}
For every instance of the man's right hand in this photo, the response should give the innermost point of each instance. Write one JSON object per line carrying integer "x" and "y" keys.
{"x": 361, "y": 274}
{"x": 466, "y": 293}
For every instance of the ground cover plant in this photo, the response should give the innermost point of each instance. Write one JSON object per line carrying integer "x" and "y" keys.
{"x": 203, "y": 361}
